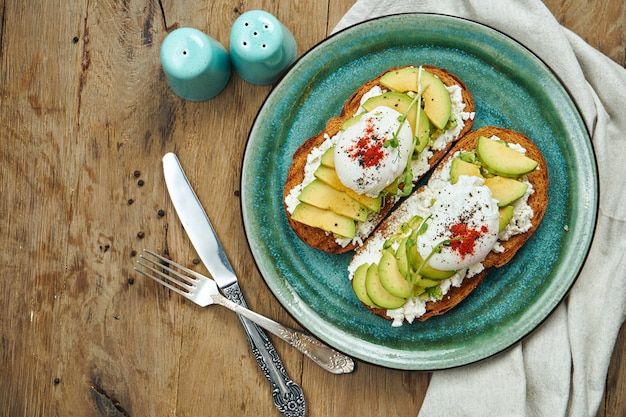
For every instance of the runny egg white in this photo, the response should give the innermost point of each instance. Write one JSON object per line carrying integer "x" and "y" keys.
{"x": 362, "y": 160}
{"x": 466, "y": 215}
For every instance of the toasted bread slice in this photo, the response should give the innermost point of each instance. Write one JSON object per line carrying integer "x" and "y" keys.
{"x": 319, "y": 238}
{"x": 538, "y": 201}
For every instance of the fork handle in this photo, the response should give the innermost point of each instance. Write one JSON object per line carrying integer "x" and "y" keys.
{"x": 323, "y": 355}
{"x": 287, "y": 395}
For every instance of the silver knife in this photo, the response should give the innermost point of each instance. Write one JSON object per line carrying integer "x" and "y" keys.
{"x": 201, "y": 233}
{"x": 288, "y": 396}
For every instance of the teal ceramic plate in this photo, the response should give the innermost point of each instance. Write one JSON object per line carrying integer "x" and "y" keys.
{"x": 512, "y": 88}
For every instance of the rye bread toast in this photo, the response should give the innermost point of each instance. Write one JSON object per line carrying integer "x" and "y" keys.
{"x": 320, "y": 239}
{"x": 538, "y": 201}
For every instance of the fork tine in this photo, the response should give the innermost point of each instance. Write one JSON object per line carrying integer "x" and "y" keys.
{"x": 173, "y": 279}
{"x": 177, "y": 265}
{"x": 189, "y": 280}
{"x": 164, "y": 283}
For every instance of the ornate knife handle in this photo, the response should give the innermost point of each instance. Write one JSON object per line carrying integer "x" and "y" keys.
{"x": 287, "y": 395}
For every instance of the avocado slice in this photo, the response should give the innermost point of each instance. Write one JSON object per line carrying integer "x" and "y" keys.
{"x": 506, "y": 190}
{"x": 329, "y": 176}
{"x": 390, "y": 276}
{"x": 351, "y": 121}
{"x": 324, "y": 219}
{"x": 435, "y": 98}
{"x": 459, "y": 167}
{"x": 358, "y": 285}
{"x": 322, "y": 195}
{"x": 378, "y": 294}
{"x": 503, "y": 160}
{"x": 328, "y": 159}
{"x": 396, "y": 101}
{"x": 505, "y": 216}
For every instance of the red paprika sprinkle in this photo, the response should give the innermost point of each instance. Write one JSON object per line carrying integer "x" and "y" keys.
{"x": 464, "y": 238}
{"x": 368, "y": 149}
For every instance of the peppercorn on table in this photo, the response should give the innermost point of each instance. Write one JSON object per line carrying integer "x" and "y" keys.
{"x": 86, "y": 116}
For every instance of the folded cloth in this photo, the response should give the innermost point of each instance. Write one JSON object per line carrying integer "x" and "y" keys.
{"x": 559, "y": 370}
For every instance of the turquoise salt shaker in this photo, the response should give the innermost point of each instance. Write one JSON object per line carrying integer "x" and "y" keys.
{"x": 261, "y": 47}
{"x": 196, "y": 66}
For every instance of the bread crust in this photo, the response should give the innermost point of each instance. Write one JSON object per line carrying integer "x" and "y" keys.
{"x": 538, "y": 201}
{"x": 318, "y": 238}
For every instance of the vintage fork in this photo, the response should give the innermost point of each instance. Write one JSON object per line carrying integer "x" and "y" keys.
{"x": 204, "y": 291}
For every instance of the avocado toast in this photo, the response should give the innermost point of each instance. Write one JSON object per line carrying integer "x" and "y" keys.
{"x": 422, "y": 111}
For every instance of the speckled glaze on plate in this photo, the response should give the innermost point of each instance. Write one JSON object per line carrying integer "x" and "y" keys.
{"x": 513, "y": 89}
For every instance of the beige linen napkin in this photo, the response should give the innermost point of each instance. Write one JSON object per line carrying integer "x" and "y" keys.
{"x": 560, "y": 369}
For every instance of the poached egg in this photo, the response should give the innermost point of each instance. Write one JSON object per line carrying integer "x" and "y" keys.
{"x": 373, "y": 152}
{"x": 466, "y": 216}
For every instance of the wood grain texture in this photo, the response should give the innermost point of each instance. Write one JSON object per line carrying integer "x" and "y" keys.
{"x": 86, "y": 116}
{"x": 601, "y": 23}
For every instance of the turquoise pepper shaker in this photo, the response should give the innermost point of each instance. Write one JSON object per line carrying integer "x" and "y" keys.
{"x": 261, "y": 47}
{"x": 196, "y": 66}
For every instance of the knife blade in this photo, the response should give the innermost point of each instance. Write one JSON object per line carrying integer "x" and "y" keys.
{"x": 203, "y": 236}
{"x": 287, "y": 395}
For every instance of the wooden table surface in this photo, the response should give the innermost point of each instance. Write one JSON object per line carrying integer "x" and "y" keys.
{"x": 85, "y": 118}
